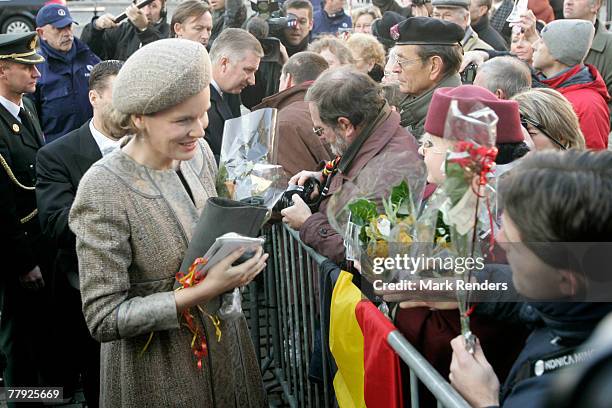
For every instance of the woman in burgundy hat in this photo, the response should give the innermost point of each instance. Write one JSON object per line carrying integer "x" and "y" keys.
{"x": 431, "y": 326}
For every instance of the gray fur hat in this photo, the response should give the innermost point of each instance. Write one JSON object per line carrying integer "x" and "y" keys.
{"x": 160, "y": 75}
{"x": 568, "y": 41}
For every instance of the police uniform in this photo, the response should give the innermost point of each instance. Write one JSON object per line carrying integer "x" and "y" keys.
{"x": 22, "y": 249}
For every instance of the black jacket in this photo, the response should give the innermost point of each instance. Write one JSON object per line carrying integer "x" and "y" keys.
{"x": 59, "y": 169}
{"x": 489, "y": 35}
{"x": 20, "y": 238}
{"x": 558, "y": 330}
{"x": 233, "y": 16}
{"x": 122, "y": 41}
{"x": 221, "y": 109}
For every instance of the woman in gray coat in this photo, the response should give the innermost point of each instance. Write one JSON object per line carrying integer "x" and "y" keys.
{"x": 133, "y": 217}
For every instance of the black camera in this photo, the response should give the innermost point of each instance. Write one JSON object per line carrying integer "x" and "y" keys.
{"x": 305, "y": 192}
{"x": 468, "y": 74}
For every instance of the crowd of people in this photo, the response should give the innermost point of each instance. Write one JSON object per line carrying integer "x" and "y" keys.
{"x": 110, "y": 145}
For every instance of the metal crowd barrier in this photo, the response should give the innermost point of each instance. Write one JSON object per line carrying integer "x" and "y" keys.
{"x": 283, "y": 311}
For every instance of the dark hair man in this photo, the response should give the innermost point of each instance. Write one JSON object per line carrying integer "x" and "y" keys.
{"x": 60, "y": 166}
{"x": 61, "y": 94}
{"x": 192, "y": 20}
{"x": 110, "y": 40}
{"x": 479, "y": 16}
{"x": 23, "y": 252}
{"x": 298, "y": 147}
{"x": 235, "y": 59}
{"x": 457, "y": 11}
{"x": 296, "y": 38}
{"x": 504, "y": 76}
{"x": 427, "y": 56}
{"x": 349, "y": 112}
{"x": 569, "y": 190}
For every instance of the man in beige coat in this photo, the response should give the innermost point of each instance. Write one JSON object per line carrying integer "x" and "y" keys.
{"x": 457, "y": 11}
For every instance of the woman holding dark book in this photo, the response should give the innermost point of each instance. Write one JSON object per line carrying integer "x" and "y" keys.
{"x": 133, "y": 217}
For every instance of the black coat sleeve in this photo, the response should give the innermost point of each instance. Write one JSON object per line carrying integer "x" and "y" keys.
{"x": 55, "y": 194}
{"x": 18, "y": 256}
{"x": 103, "y": 43}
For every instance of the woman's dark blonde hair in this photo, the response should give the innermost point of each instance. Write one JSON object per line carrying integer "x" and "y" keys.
{"x": 335, "y": 46}
{"x": 551, "y": 110}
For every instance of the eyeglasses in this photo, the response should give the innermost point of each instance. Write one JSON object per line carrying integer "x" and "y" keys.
{"x": 525, "y": 120}
{"x": 396, "y": 60}
{"x": 318, "y": 130}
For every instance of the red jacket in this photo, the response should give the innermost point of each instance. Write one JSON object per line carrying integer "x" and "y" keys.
{"x": 584, "y": 87}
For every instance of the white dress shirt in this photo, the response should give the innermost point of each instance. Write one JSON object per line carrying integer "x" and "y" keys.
{"x": 105, "y": 144}
{"x": 11, "y": 107}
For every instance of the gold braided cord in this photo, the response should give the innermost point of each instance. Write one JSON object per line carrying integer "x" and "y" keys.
{"x": 11, "y": 175}
{"x": 29, "y": 216}
{"x": 16, "y": 55}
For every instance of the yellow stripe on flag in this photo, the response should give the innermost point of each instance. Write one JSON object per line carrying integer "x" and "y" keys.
{"x": 346, "y": 343}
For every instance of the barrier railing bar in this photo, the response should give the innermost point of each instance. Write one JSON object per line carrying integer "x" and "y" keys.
{"x": 414, "y": 390}
{"x": 290, "y": 367}
{"x": 437, "y": 385}
{"x": 318, "y": 258}
{"x": 305, "y": 302}
{"x": 294, "y": 333}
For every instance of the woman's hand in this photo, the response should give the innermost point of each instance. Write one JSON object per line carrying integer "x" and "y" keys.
{"x": 222, "y": 278}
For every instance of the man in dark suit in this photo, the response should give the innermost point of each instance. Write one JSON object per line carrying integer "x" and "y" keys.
{"x": 22, "y": 250}
{"x": 61, "y": 165}
{"x": 235, "y": 57}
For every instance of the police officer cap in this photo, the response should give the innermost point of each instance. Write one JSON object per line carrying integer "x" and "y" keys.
{"x": 427, "y": 31}
{"x": 451, "y": 3}
{"x": 20, "y": 48}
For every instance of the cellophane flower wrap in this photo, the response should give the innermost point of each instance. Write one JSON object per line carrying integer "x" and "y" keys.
{"x": 376, "y": 213}
{"x": 247, "y": 167}
{"x": 465, "y": 201}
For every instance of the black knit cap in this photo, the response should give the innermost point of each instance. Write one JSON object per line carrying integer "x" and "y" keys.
{"x": 426, "y": 31}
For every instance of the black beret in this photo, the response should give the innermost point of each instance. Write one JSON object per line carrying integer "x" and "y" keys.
{"x": 20, "y": 48}
{"x": 427, "y": 31}
{"x": 381, "y": 26}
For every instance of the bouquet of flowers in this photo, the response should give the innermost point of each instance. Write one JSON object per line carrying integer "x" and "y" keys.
{"x": 377, "y": 212}
{"x": 466, "y": 198}
{"x": 248, "y": 170}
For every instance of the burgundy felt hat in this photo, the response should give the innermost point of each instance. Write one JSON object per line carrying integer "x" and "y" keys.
{"x": 509, "y": 124}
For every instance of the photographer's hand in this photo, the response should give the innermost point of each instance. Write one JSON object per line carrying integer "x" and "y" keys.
{"x": 296, "y": 215}
{"x": 304, "y": 175}
{"x": 137, "y": 17}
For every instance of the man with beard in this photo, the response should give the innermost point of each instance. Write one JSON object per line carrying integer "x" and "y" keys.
{"x": 110, "y": 40}
{"x": 235, "y": 57}
{"x": 349, "y": 112}
{"x": 60, "y": 167}
{"x": 61, "y": 94}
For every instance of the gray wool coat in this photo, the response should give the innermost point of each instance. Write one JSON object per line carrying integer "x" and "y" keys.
{"x": 133, "y": 225}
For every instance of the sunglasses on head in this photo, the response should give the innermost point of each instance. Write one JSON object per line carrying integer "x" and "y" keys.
{"x": 525, "y": 120}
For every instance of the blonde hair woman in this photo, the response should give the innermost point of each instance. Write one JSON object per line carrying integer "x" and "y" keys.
{"x": 363, "y": 19}
{"x": 550, "y": 119}
{"x": 368, "y": 54}
{"x": 133, "y": 217}
{"x": 335, "y": 51}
